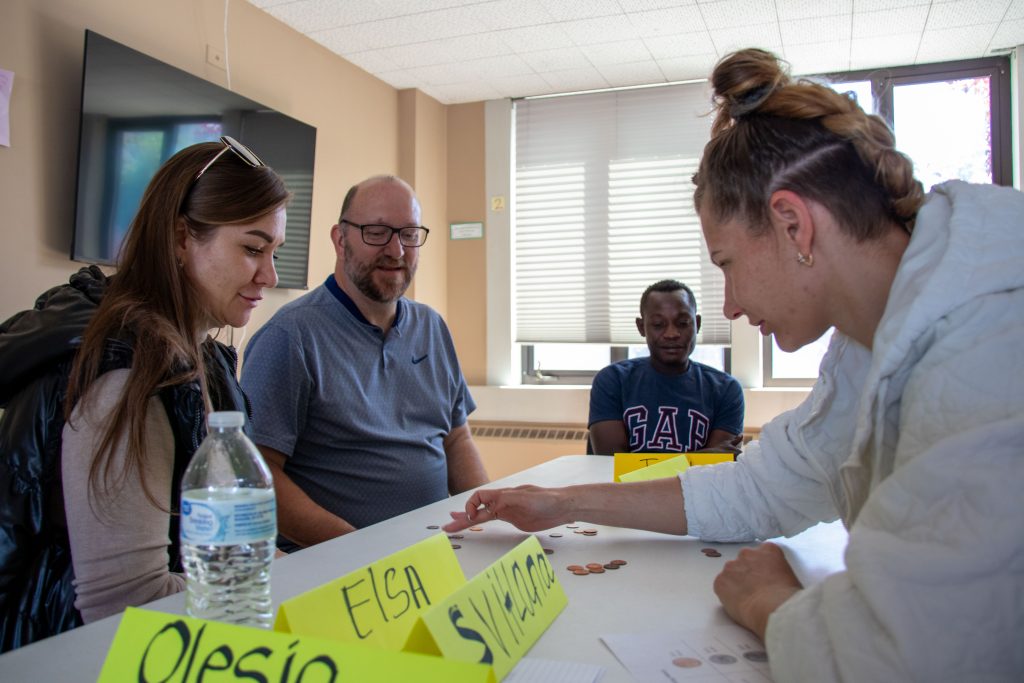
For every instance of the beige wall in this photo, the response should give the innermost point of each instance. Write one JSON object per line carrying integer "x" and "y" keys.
{"x": 467, "y": 259}
{"x": 356, "y": 116}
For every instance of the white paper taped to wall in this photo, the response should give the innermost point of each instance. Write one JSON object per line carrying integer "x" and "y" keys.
{"x": 6, "y": 83}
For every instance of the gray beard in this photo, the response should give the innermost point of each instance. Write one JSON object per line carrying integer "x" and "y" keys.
{"x": 362, "y": 278}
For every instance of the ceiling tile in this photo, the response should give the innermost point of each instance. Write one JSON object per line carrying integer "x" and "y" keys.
{"x": 375, "y": 61}
{"x": 897, "y": 50}
{"x": 556, "y": 60}
{"x": 520, "y": 86}
{"x": 879, "y": 5}
{"x": 669, "y": 21}
{"x": 572, "y": 80}
{"x": 348, "y": 39}
{"x": 1008, "y": 35}
{"x": 688, "y": 68}
{"x": 738, "y": 38}
{"x": 818, "y": 58}
{"x": 600, "y": 30}
{"x": 502, "y": 14}
{"x": 683, "y": 45}
{"x": 816, "y": 30}
{"x": 263, "y": 4}
{"x": 444, "y": 51}
{"x": 789, "y": 10}
{"x": 899, "y": 20}
{"x": 637, "y": 73}
{"x": 966, "y": 42}
{"x": 630, "y": 6}
{"x": 399, "y": 8}
{"x": 567, "y": 10}
{"x": 533, "y": 38}
{"x": 1015, "y": 10}
{"x": 462, "y": 92}
{"x": 966, "y": 13}
{"x": 623, "y": 52}
{"x": 400, "y": 79}
{"x": 730, "y": 13}
{"x": 319, "y": 15}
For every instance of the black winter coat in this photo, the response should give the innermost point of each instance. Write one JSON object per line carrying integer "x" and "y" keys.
{"x": 37, "y": 348}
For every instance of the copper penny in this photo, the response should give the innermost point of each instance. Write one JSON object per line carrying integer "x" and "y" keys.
{"x": 581, "y": 572}
{"x": 619, "y": 562}
{"x": 455, "y": 546}
{"x": 598, "y": 570}
{"x": 713, "y": 553}
{"x": 687, "y": 662}
{"x": 547, "y": 551}
{"x": 590, "y": 531}
{"x": 574, "y": 567}
{"x": 708, "y": 550}
{"x": 611, "y": 566}
{"x": 476, "y": 528}
{"x": 595, "y": 565}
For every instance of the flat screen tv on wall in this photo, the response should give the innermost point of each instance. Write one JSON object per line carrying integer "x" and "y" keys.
{"x": 137, "y": 112}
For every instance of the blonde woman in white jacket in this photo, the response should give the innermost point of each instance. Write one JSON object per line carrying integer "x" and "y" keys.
{"x": 914, "y": 432}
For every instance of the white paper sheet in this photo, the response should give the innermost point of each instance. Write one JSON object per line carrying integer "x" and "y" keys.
{"x": 6, "y": 84}
{"x": 534, "y": 670}
{"x": 727, "y": 654}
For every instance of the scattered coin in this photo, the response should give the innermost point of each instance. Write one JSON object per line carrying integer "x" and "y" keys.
{"x": 548, "y": 551}
{"x": 596, "y": 570}
{"x": 611, "y": 566}
{"x": 708, "y": 550}
{"x": 590, "y": 532}
{"x": 456, "y": 536}
{"x": 476, "y": 528}
{"x": 687, "y": 662}
{"x": 595, "y": 565}
{"x": 572, "y": 526}
{"x": 756, "y": 656}
{"x": 555, "y": 535}
{"x": 455, "y": 546}
{"x": 577, "y": 532}
{"x": 620, "y": 563}
{"x": 722, "y": 659}
{"x": 713, "y": 553}
{"x": 581, "y": 572}
{"x": 574, "y": 567}
{"x": 433, "y": 526}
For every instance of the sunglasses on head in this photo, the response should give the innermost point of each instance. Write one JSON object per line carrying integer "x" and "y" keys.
{"x": 240, "y": 150}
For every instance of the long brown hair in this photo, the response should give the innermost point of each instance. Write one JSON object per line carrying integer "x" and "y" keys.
{"x": 772, "y": 133}
{"x": 152, "y": 304}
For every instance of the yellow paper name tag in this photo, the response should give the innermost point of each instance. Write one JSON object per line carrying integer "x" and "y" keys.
{"x": 710, "y": 458}
{"x": 379, "y": 603}
{"x": 498, "y": 615}
{"x": 154, "y": 646}
{"x": 666, "y": 468}
{"x": 628, "y": 462}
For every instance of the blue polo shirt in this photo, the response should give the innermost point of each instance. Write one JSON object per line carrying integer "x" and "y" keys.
{"x": 361, "y": 416}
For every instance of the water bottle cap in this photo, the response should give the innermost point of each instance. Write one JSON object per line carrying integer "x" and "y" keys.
{"x": 226, "y": 418}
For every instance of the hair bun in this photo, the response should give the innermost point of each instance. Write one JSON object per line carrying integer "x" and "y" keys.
{"x": 743, "y": 81}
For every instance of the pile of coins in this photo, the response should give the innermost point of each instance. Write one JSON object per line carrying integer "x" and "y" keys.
{"x": 710, "y": 552}
{"x": 595, "y": 567}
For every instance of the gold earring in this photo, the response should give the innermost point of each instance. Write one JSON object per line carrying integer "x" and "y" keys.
{"x": 805, "y": 260}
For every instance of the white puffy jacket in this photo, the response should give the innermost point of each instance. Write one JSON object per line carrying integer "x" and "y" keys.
{"x": 918, "y": 446}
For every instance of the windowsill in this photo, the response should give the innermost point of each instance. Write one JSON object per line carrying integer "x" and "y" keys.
{"x": 569, "y": 404}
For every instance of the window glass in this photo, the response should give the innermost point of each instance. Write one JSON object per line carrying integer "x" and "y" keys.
{"x": 802, "y": 363}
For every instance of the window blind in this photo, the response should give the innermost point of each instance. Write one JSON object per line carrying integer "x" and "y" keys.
{"x": 293, "y": 257}
{"x": 603, "y": 207}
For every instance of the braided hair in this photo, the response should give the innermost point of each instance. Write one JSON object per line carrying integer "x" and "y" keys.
{"x": 774, "y": 133}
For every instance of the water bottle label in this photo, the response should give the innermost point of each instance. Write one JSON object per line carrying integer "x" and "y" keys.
{"x": 230, "y": 519}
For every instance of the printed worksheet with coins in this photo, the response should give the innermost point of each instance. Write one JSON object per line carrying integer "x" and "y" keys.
{"x": 726, "y": 653}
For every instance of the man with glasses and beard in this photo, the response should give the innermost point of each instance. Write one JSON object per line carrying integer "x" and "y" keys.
{"x": 359, "y": 403}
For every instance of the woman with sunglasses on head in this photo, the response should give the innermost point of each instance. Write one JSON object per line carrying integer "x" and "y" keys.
{"x": 912, "y": 434}
{"x": 106, "y": 385}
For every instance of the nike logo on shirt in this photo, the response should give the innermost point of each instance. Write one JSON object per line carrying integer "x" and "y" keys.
{"x": 416, "y": 361}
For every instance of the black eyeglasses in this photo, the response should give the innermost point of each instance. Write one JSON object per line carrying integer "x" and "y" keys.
{"x": 240, "y": 150}
{"x": 379, "y": 235}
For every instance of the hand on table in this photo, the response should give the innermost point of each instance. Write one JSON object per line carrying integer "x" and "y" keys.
{"x": 530, "y": 508}
{"x": 755, "y": 584}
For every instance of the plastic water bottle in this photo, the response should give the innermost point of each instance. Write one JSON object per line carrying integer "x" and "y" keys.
{"x": 228, "y": 527}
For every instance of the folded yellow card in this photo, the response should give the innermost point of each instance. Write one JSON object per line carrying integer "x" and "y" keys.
{"x": 154, "y": 646}
{"x": 666, "y": 468}
{"x": 628, "y": 462}
{"x": 710, "y": 458}
{"x": 498, "y": 615}
{"x": 379, "y": 603}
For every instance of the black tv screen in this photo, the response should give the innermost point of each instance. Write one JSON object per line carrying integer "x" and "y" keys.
{"x": 137, "y": 112}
